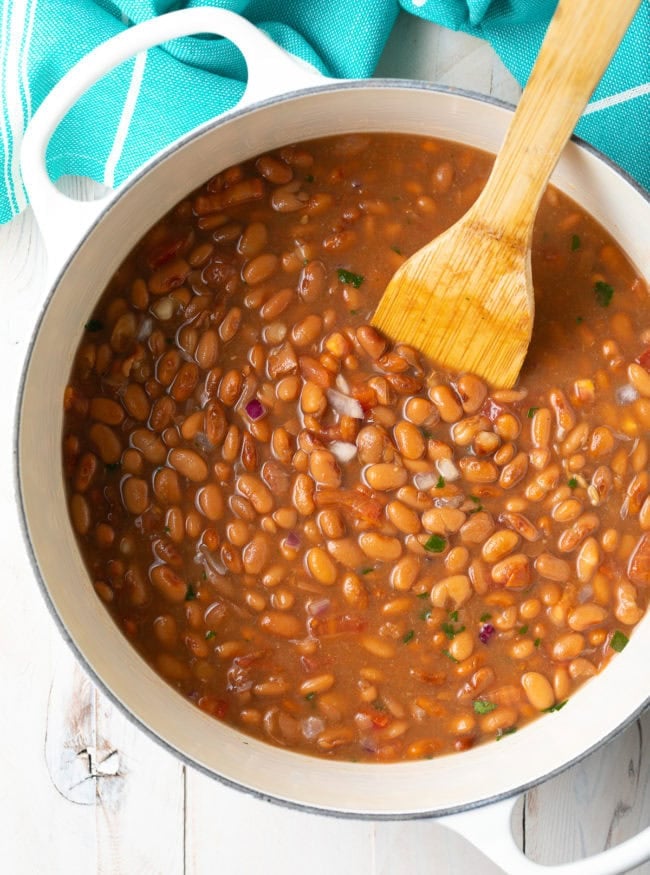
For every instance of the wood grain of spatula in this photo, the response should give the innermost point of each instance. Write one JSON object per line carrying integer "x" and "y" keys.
{"x": 466, "y": 299}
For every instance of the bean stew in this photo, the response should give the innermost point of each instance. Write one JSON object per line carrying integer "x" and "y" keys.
{"x": 314, "y": 534}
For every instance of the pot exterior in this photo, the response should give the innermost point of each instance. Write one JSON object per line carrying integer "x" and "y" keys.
{"x": 446, "y": 784}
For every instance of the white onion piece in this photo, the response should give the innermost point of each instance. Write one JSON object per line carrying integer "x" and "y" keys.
{"x": 317, "y": 607}
{"x": 626, "y": 394}
{"x": 343, "y": 451}
{"x": 447, "y": 469}
{"x": 312, "y": 727}
{"x": 145, "y": 328}
{"x": 344, "y": 404}
{"x": 342, "y": 384}
{"x": 426, "y": 480}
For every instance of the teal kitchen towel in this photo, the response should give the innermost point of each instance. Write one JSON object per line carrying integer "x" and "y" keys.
{"x": 141, "y": 107}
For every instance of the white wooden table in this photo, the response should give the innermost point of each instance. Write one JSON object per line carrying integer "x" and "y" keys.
{"x": 84, "y": 791}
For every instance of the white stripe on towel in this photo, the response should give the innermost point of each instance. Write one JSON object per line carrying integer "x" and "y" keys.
{"x": 125, "y": 119}
{"x": 621, "y": 97}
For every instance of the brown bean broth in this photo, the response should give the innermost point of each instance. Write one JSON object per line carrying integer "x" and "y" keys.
{"x": 239, "y": 594}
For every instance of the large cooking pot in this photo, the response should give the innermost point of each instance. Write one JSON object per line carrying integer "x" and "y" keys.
{"x": 86, "y": 243}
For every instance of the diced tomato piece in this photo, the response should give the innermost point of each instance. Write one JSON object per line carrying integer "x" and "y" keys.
{"x": 214, "y": 706}
{"x": 644, "y": 359}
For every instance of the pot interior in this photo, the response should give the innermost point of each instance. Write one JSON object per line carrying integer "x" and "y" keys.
{"x": 447, "y": 783}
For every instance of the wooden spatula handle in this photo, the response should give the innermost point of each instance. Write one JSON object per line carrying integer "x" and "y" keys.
{"x": 581, "y": 39}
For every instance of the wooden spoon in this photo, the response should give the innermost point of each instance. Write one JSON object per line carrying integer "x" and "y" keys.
{"x": 466, "y": 299}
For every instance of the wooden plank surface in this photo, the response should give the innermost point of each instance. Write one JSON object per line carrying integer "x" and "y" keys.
{"x": 84, "y": 791}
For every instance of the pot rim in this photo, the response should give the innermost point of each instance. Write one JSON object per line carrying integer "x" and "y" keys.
{"x": 127, "y": 186}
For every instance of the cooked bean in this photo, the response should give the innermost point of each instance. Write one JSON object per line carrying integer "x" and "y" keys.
{"x": 386, "y": 477}
{"x": 538, "y": 689}
{"x": 188, "y": 463}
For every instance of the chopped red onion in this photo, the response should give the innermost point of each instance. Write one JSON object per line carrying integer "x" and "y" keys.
{"x": 343, "y": 450}
{"x": 487, "y": 631}
{"x": 344, "y": 404}
{"x": 255, "y": 409}
{"x": 312, "y": 727}
{"x": 318, "y": 607}
{"x": 447, "y": 469}
{"x": 292, "y": 540}
{"x": 426, "y": 480}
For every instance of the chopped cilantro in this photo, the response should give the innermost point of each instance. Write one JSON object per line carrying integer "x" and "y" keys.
{"x": 507, "y": 731}
{"x": 477, "y": 502}
{"x": 435, "y": 544}
{"x": 441, "y": 482}
{"x": 485, "y": 617}
{"x": 423, "y": 595}
{"x": 396, "y": 249}
{"x": 378, "y": 705}
{"x": 94, "y": 325}
{"x": 603, "y": 292}
{"x": 310, "y": 696}
{"x": 557, "y": 707}
{"x": 523, "y": 630}
{"x": 450, "y": 631}
{"x": 167, "y": 530}
{"x": 354, "y": 312}
{"x": 112, "y": 466}
{"x": 449, "y": 656}
{"x": 309, "y": 177}
{"x": 580, "y": 319}
{"x": 483, "y": 707}
{"x": 531, "y": 412}
{"x": 209, "y": 634}
{"x": 190, "y": 595}
{"x": 353, "y": 279}
{"x": 619, "y": 641}
{"x": 572, "y": 483}
{"x": 408, "y": 636}
{"x": 366, "y": 570}
{"x": 426, "y": 433}
{"x": 425, "y": 615}
{"x": 575, "y": 243}
{"x": 537, "y": 642}
{"x": 453, "y": 615}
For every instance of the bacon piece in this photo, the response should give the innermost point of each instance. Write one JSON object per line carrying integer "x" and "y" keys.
{"x": 362, "y": 506}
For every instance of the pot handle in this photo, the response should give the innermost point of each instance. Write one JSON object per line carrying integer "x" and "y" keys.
{"x": 63, "y": 221}
{"x": 488, "y": 829}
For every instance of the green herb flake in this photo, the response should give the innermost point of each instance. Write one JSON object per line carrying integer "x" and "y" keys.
{"x": 396, "y": 249}
{"x": 502, "y": 732}
{"x": 210, "y": 634}
{"x": 450, "y": 631}
{"x": 366, "y": 570}
{"x": 94, "y": 325}
{"x": 309, "y": 177}
{"x": 426, "y": 433}
{"x": 537, "y": 642}
{"x": 603, "y": 292}
{"x": 481, "y": 706}
{"x": 354, "y": 312}
{"x": 310, "y": 696}
{"x": 112, "y": 466}
{"x": 378, "y": 705}
{"x": 190, "y": 595}
{"x": 453, "y": 616}
{"x": 572, "y": 483}
{"x": 441, "y": 482}
{"x": 435, "y": 544}
{"x": 353, "y": 279}
{"x": 531, "y": 412}
{"x": 423, "y": 595}
{"x": 449, "y": 656}
{"x": 408, "y": 636}
{"x": 166, "y": 530}
{"x": 477, "y": 502}
{"x": 580, "y": 319}
{"x": 575, "y": 243}
{"x": 523, "y": 630}
{"x": 619, "y": 641}
{"x": 485, "y": 617}
{"x": 557, "y": 707}
{"x": 425, "y": 615}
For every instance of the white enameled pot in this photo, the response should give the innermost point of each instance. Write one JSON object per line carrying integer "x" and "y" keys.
{"x": 286, "y": 101}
